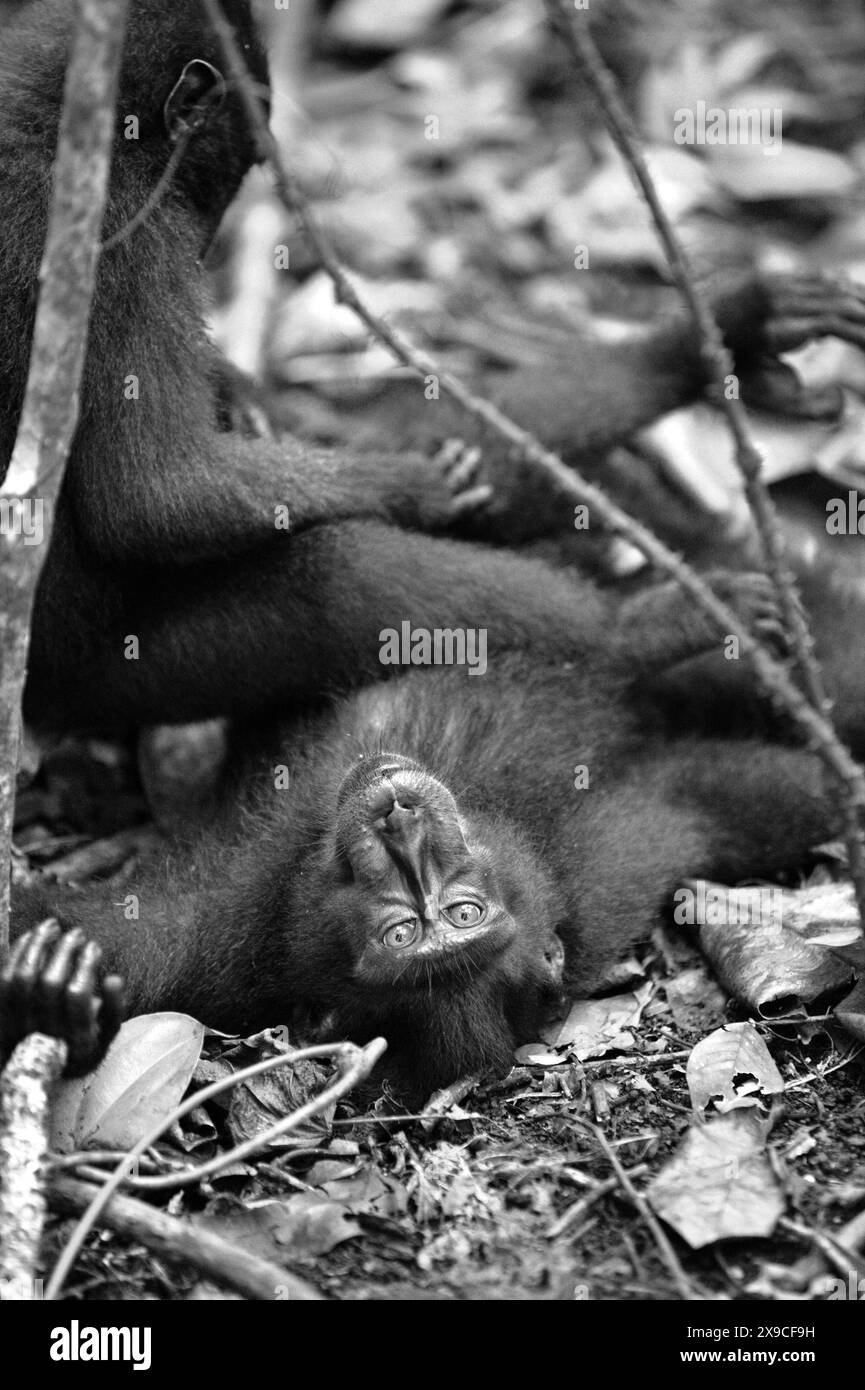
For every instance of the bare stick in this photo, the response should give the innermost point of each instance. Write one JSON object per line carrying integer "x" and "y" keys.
{"x": 850, "y": 1237}
{"x": 836, "y": 1252}
{"x": 573, "y": 28}
{"x": 440, "y": 1102}
{"x": 577, "y": 1210}
{"x": 774, "y": 679}
{"x": 687, "y": 1289}
{"x": 179, "y": 1242}
{"x": 25, "y": 1092}
{"x": 50, "y": 410}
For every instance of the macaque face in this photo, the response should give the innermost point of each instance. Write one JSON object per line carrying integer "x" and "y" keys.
{"x": 439, "y": 923}
{"x": 425, "y": 892}
{"x": 429, "y": 895}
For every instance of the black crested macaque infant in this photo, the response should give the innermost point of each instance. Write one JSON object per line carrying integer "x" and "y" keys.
{"x": 452, "y": 853}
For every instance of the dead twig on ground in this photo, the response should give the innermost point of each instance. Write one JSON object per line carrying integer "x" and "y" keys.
{"x": 577, "y": 1210}
{"x": 687, "y": 1288}
{"x": 180, "y": 1242}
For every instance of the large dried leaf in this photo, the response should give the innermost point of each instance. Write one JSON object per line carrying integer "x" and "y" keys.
{"x": 696, "y": 1001}
{"x": 254, "y": 1106}
{"x": 608, "y": 216}
{"x": 596, "y": 1026}
{"x": 790, "y": 170}
{"x": 770, "y": 945}
{"x": 304, "y": 1226}
{"x": 259, "y": 1103}
{"x": 696, "y": 453}
{"x": 368, "y": 1191}
{"x": 720, "y": 1183}
{"x": 732, "y": 1068}
{"x": 143, "y": 1077}
{"x": 537, "y": 1055}
{"x": 381, "y": 24}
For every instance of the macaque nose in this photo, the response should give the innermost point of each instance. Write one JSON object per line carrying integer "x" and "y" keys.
{"x": 400, "y": 821}
{"x": 394, "y": 805}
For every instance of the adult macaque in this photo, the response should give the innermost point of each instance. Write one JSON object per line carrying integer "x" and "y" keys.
{"x": 194, "y": 572}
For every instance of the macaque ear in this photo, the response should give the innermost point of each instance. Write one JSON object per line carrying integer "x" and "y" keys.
{"x": 554, "y": 955}
{"x": 199, "y": 90}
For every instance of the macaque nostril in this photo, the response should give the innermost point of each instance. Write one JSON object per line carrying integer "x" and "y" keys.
{"x": 383, "y": 805}
{"x": 400, "y": 818}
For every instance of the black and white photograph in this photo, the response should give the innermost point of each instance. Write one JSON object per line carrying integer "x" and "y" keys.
{"x": 432, "y": 669}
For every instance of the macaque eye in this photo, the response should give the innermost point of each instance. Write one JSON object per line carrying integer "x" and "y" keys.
{"x": 467, "y": 914}
{"x": 402, "y": 935}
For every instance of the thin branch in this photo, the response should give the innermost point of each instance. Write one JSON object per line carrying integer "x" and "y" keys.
{"x": 835, "y": 1251}
{"x": 179, "y": 1242}
{"x": 50, "y": 410}
{"x": 577, "y": 1210}
{"x": 687, "y": 1289}
{"x": 850, "y": 1236}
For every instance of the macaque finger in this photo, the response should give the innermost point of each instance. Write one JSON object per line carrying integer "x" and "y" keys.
{"x": 472, "y": 501}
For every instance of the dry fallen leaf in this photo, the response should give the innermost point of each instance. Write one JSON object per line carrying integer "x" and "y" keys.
{"x": 695, "y": 999}
{"x": 595, "y": 1026}
{"x": 537, "y": 1055}
{"x": 365, "y": 24}
{"x": 790, "y": 170}
{"x": 143, "y": 1076}
{"x": 730, "y": 1069}
{"x": 302, "y": 1227}
{"x": 720, "y": 1183}
{"x": 608, "y": 216}
{"x": 770, "y": 945}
